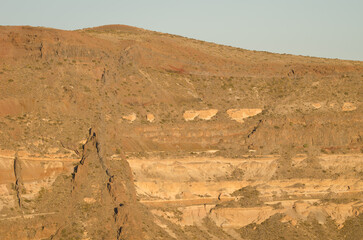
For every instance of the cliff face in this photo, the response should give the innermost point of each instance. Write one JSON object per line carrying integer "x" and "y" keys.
{"x": 98, "y": 190}
{"x": 117, "y": 132}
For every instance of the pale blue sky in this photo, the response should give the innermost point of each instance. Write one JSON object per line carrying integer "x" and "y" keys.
{"x": 322, "y": 28}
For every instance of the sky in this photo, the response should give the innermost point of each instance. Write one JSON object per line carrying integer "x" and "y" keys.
{"x": 320, "y": 28}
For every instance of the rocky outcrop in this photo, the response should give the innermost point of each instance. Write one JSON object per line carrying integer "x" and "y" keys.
{"x": 190, "y": 115}
{"x": 130, "y": 118}
{"x": 316, "y": 105}
{"x": 207, "y": 114}
{"x": 234, "y": 193}
{"x": 106, "y": 193}
{"x": 240, "y": 114}
{"x": 348, "y": 107}
{"x": 150, "y": 117}
{"x": 22, "y": 177}
{"x": 19, "y": 186}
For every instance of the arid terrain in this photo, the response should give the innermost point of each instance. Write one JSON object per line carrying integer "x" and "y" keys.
{"x": 116, "y": 132}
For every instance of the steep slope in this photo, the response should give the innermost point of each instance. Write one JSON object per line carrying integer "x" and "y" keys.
{"x": 117, "y": 132}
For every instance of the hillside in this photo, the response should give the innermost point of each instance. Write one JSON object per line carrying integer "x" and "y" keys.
{"x": 117, "y": 132}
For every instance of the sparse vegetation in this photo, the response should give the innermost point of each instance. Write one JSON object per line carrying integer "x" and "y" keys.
{"x": 196, "y": 178}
